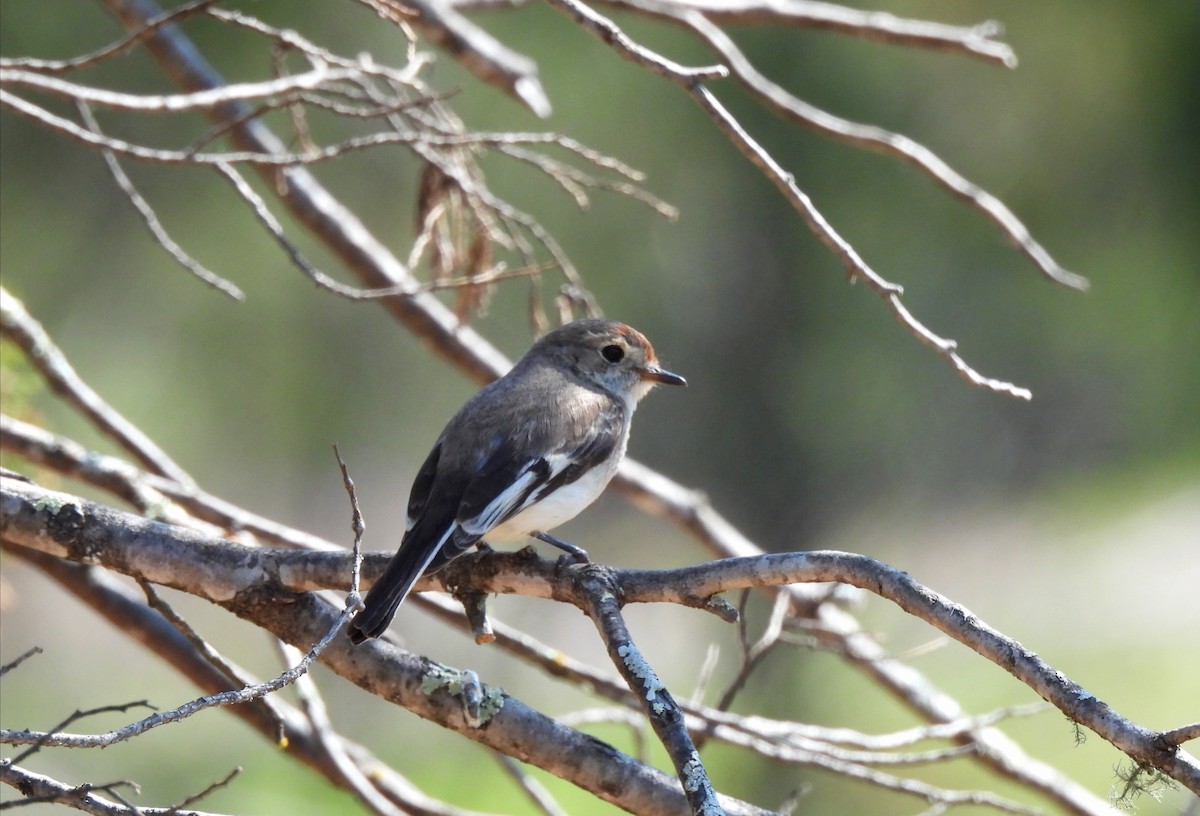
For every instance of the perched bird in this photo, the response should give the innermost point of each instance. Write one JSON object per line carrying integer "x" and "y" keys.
{"x": 522, "y": 456}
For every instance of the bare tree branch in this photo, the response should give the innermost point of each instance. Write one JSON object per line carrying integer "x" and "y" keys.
{"x": 151, "y": 218}
{"x": 841, "y": 632}
{"x": 111, "y": 599}
{"x": 462, "y": 224}
{"x": 599, "y": 602}
{"x": 977, "y": 41}
{"x": 155, "y": 496}
{"x": 41, "y": 788}
{"x": 856, "y": 267}
{"x": 874, "y": 138}
{"x": 65, "y": 526}
{"x": 478, "y": 51}
{"x": 117, "y": 49}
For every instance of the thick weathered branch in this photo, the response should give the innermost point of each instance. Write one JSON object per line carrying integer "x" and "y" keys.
{"x": 228, "y": 574}
{"x": 836, "y": 628}
{"x": 252, "y": 584}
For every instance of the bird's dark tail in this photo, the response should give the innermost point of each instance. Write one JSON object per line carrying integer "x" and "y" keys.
{"x": 385, "y": 596}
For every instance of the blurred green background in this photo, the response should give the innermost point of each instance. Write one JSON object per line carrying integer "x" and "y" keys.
{"x": 812, "y": 419}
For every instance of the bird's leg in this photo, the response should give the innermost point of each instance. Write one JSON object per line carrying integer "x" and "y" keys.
{"x": 578, "y": 553}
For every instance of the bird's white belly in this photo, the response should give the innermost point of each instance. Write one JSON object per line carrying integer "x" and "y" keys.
{"x": 560, "y": 506}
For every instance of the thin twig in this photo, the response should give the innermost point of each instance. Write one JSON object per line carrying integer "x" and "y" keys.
{"x": 977, "y": 41}
{"x": 358, "y": 526}
{"x": 215, "y": 786}
{"x": 610, "y": 33}
{"x": 150, "y": 218}
{"x": 12, "y": 664}
{"x": 155, "y": 496}
{"x": 246, "y": 694}
{"x": 38, "y": 744}
{"x": 40, "y": 788}
{"x": 534, "y": 790}
{"x": 276, "y": 160}
{"x": 122, "y": 46}
{"x": 785, "y": 183}
{"x": 321, "y": 75}
{"x": 875, "y": 138}
{"x": 237, "y": 678}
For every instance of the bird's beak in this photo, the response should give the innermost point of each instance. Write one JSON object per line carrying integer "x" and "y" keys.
{"x": 661, "y": 375}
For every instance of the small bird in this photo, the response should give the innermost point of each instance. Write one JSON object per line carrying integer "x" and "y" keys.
{"x": 524, "y": 455}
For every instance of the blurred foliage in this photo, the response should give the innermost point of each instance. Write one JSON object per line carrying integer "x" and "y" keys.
{"x": 811, "y": 420}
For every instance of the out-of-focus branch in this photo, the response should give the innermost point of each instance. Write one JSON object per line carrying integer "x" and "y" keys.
{"x": 244, "y": 92}
{"x": 979, "y": 40}
{"x": 856, "y": 267}
{"x": 479, "y": 52}
{"x": 267, "y": 159}
{"x": 157, "y": 497}
{"x": 976, "y": 41}
{"x": 117, "y": 49}
{"x": 151, "y": 218}
{"x": 871, "y": 137}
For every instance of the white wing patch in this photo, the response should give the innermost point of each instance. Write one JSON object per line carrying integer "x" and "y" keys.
{"x": 518, "y": 496}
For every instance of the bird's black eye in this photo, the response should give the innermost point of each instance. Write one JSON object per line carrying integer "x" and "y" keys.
{"x": 613, "y": 353}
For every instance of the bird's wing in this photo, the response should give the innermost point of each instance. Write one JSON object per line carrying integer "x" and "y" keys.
{"x": 506, "y": 485}
{"x": 418, "y": 496}
{"x": 450, "y": 511}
